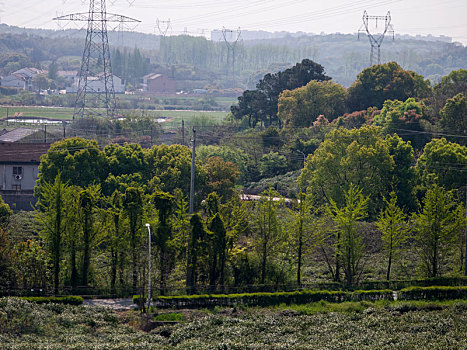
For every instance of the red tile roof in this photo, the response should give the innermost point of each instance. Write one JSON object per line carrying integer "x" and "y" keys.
{"x": 22, "y": 152}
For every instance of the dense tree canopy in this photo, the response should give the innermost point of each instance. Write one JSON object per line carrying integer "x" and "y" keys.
{"x": 262, "y": 102}
{"x": 360, "y": 157}
{"x": 382, "y": 82}
{"x": 443, "y": 163}
{"x": 302, "y": 106}
{"x": 453, "y": 117}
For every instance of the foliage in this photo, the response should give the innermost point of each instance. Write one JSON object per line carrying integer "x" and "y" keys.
{"x": 433, "y": 293}
{"x": 404, "y": 118}
{"x": 449, "y": 86}
{"x": 395, "y": 232}
{"x": 5, "y": 213}
{"x": 269, "y": 230}
{"x": 436, "y": 226}
{"x": 263, "y": 101}
{"x": 350, "y": 246}
{"x": 382, "y": 82}
{"x": 453, "y": 117}
{"x": 51, "y": 218}
{"x": 79, "y": 161}
{"x": 267, "y": 299}
{"x": 302, "y": 106}
{"x": 69, "y": 300}
{"x": 221, "y": 177}
{"x": 272, "y": 164}
{"x": 443, "y": 162}
{"x": 359, "y": 156}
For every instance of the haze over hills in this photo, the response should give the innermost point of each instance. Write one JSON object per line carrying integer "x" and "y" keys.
{"x": 257, "y": 53}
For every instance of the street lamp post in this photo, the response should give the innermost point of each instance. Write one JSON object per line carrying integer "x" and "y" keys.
{"x": 304, "y": 156}
{"x": 149, "y": 265}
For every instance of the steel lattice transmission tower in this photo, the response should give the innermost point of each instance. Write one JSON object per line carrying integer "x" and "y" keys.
{"x": 376, "y": 39}
{"x": 231, "y": 38}
{"x": 95, "y": 94}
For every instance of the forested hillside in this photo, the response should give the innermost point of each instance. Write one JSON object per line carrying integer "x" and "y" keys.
{"x": 209, "y": 63}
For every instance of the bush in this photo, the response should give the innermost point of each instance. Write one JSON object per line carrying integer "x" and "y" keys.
{"x": 265, "y": 299}
{"x": 69, "y": 300}
{"x": 425, "y": 282}
{"x": 433, "y": 293}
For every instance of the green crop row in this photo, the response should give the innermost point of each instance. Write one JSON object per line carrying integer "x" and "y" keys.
{"x": 433, "y": 293}
{"x": 265, "y": 299}
{"x": 69, "y": 300}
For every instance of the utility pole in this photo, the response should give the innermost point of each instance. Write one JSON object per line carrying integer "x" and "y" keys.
{"x": 183, "y": 132}
{"x": 64, "y": 130}
{"x": 376, "y": 39}
{"x": 45, "y": 133}
{"x": 149, "y": 265}
{"x": 95, "y": 75}
{"x": 192, "y": 180}
{"x": 304, "y": 157}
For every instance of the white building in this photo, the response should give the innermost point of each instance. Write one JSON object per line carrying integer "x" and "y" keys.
{"x": 96, "y": 84}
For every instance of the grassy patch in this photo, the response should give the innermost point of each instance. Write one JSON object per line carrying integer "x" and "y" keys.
{"x": 170, "y": 316}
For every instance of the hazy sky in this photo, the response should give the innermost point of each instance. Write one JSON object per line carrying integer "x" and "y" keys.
{"x": 437, "y": 17}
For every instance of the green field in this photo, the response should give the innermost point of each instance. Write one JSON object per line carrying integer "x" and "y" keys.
{"x": 175, "y": 116}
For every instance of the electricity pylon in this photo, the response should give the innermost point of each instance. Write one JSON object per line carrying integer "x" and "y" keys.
{"x": 231, "y": 38}
{"x": 376, "y": 39}
{"x": 163, "y": 27}
{"x": 95, "y": 75}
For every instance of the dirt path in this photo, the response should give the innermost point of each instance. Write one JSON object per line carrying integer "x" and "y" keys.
{"x": 116, "y": 304}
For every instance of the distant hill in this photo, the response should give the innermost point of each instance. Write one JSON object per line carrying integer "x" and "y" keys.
{"x": 196, "y": 58}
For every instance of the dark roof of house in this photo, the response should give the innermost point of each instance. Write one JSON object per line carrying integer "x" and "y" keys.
{"x": 17, "y": 134}
{"x": 22, "y": 152}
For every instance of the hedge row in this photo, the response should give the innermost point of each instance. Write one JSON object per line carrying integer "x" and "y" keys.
{"x": 433, "y": 293}
{"x": 70, "y": 300}
{"x": 265, "y": 299}
{"x": 425, "y": 282}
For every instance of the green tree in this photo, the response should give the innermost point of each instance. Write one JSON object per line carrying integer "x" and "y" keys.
{"x": 133, "y": 209}
{"x": 5, "y": 213}
{"x": 382, "y": 82}
{"x": 359, "y": 156}
{"x": 221, "y": 177}
{"x": 394, "y": 229}
{"x": 272, "y": 164}
{"x": 405, "y": 118}
{"x": 436, "y": 226}
{"x": 197, "y": 237}
{"x": 443, "y": 162}
{"x": 449, "y": 86}
{"x": 302, "y": 106}
{"x": 304, "y": 225}
{"x": 88, "y": 199}
{"x": 453, "y": 117}
{"x": 403, "y": 175}
{"x": 268, "y": 228}
{"x": 164, "y": 204}
{"x": 263, "y": 101}
{"x": 350, "y": 246}
{"x": 79, "y": 161}
{"x": 116, "y": 238}
{"x": 50, "y": 215}
{"x": 218, "y": 250}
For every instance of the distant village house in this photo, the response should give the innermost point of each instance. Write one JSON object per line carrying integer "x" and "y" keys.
{"x": 159, "y": 84}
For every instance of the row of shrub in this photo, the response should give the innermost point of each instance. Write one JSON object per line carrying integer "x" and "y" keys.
{"x": 69, "y": 300}
{"x": 433, "y": 293}
{"x": 264, "y": 299}
{"x": 425, "y": 282}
